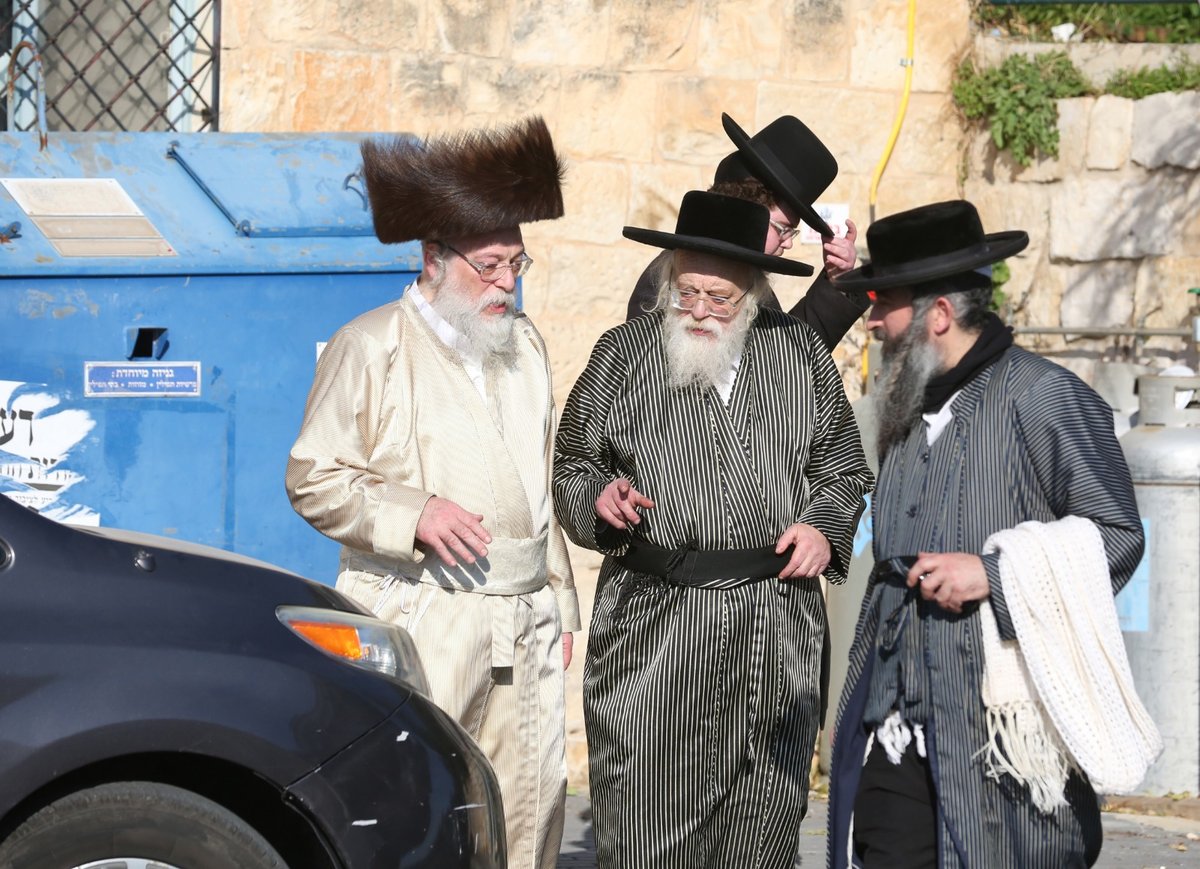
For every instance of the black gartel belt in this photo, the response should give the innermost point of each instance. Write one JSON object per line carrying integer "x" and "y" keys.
{"x": 698, "y": 566}
{"x": 894, "y": 570}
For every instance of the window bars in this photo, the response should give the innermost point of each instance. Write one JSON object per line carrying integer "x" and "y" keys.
{"x": 111, "y": 64}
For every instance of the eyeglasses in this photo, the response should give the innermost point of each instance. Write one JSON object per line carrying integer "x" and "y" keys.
{"x": 785, "y": 231}
{"x": 720, "y": 307}
{"x": 491, "y": 272}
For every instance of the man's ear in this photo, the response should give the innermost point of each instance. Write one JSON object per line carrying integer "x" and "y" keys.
{"x": 429, "y": 249}
{"x": 430, "y": 252}
{"x": 941, "y": 316}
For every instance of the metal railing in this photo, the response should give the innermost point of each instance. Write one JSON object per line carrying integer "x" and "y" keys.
{"x": 112, "y": 65}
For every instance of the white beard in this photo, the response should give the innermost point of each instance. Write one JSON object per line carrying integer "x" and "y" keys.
{"x": 699, "y": 361}
{"x": 488, "y": 336}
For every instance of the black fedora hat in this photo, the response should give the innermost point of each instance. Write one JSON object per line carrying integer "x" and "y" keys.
{"x": 724, "y": 226}
{"x": 790, "y": 161}
{"x": 929, "y": 242}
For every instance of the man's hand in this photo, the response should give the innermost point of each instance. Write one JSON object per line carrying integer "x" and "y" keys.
{"x": 618, "y": 504}
{"x": 449, "y": 530}
{"x": 810, "y": 556}
{"x": 949, "y": 579}
{"x": 839, "y": 253}
{"x": 568, "y": 644}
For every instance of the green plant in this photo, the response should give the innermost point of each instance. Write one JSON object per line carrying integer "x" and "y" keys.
{"x": 1016, "y": 100}
{"x": 1095, "y": 22}
{"x": 1138, "y": 83}
{"x": 1000, "y": 276}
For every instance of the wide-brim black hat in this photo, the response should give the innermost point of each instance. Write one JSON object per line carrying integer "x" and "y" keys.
{"x": 724, "y": 226}
{"x": 789, "y": 160}
{"x": 929, "y": 242}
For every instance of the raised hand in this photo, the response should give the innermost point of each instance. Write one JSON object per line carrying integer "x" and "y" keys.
{"x": 619, "y": 503}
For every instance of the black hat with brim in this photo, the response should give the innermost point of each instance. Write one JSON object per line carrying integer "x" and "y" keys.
{"x": 927, "y": 243}
{"x": 723, "y": 226}
{"x": 790, "y": 161}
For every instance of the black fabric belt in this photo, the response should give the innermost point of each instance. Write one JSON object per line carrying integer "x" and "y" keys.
{"x": 699, "y": 566}
{"x": 894, "y": 570}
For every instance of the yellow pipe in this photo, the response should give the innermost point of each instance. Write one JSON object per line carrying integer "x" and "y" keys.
{"x": 907, "y": 62}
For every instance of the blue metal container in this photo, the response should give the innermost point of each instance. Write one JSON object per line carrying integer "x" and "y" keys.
{"x": 163, "y": 320}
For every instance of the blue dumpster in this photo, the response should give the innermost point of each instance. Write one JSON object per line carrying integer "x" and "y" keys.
{"x": 165, "y": 298}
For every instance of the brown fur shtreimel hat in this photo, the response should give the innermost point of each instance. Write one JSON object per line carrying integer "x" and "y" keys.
{"x": 462, "y": 184}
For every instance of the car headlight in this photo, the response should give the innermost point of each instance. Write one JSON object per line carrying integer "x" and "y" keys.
{"x": 359, "y": 640}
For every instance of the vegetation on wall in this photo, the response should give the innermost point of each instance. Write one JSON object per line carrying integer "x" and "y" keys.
{"x": 1095, "y": 22}
{"x": 1137, "y": 83}
{"x": 1016, "y": 100}
{"x": 1001, "y": 274}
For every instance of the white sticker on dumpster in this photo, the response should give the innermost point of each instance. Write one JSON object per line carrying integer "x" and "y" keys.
{"x": 87, "y": 217}
{"x": 141, "y": 379}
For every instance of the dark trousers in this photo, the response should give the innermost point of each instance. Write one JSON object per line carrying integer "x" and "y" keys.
{"x": 895, "y": 812}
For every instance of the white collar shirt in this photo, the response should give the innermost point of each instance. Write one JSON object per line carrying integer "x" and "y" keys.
{"x": 452, "y": 338}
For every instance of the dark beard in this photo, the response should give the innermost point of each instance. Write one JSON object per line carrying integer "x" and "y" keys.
{"x": 909, "y": 362}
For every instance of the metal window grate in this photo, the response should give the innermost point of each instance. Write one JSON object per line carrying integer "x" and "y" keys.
{"x": 111, "y": 64}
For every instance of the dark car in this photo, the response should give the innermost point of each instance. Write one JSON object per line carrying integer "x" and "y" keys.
{"x": 171, "y": 705}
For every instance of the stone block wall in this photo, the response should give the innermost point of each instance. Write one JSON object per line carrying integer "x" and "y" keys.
{"x": 1114, "y": 224}
{"x": 633, "y": 92}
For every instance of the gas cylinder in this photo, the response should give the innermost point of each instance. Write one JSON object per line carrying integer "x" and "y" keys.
{"x": 1159, "y": 608}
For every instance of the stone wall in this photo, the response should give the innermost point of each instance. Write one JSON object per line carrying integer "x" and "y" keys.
{"x": 1114, "y": 220}
{"x": 633, "y": 93}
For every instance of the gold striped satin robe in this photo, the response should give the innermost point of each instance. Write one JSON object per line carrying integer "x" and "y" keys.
{"x": 393, "y": 419}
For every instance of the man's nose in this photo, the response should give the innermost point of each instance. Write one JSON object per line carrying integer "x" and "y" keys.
{"x": 785, "y": 243}
{"x": 506, "y": 281}
{"x": 697, "y": 313}
{"x": 874, "y": 320}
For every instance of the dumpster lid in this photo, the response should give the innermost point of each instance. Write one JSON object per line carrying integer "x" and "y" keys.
{"x": 288, "y": 188}
{"x": 188, "y": 203}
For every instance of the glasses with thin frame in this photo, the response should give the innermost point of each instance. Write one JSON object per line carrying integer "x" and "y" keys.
{"x": 491, "y": 272}
{"x": 785, "y": 231}
{"x": 721, "y": 307}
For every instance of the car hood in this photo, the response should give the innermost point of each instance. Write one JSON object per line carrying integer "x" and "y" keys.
{"x": 155, "y": 541}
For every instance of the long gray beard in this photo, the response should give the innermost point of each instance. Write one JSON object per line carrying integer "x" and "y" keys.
{"x": 694, "y": 361}
{"x": 488, "y": 337}
{"x": 909, "y": 363}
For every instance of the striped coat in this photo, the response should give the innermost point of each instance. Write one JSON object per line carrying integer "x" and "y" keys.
{"x": 1028, "y": 441}
{"x": 702, "y": 704}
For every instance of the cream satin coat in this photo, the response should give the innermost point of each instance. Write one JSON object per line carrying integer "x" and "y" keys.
{"x": 392, "y": 420}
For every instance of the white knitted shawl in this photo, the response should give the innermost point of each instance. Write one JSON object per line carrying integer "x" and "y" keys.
{"x": 1062, "y": 693}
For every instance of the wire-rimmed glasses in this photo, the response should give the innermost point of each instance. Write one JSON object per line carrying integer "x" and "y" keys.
{"x": 491, "y": 272}
{"x": 721, "y": 307}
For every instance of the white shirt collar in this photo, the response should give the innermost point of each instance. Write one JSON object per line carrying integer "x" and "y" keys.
{"x": 935, "y": 423}
{"x": 448, "y": 335}
{"x": 451, "y": 337}
{"x": 725, "y": 387}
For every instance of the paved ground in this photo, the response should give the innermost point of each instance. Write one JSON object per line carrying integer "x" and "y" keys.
{"x": 1130, "y": 841}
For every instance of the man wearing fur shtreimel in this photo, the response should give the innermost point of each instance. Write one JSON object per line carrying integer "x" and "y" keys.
{"x": 426, "y": 448}
{"x": 988, "y": 696}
